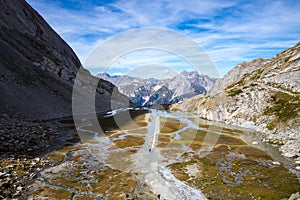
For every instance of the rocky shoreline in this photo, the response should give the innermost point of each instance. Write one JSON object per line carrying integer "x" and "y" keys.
{"x": 287, "y": 141}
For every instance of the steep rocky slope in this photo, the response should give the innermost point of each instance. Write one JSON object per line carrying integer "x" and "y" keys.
{"x": 38, "y": 68}
{"x": 237, "y": 73}
{"x": 266, "y": 98}
{"x": 155, "y": 91}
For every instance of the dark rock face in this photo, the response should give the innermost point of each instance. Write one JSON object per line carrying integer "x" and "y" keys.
{"x": 37, "y": 68}
{"x": 145, "y": 92}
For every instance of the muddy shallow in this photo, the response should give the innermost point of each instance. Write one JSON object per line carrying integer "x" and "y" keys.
{"x": 160, "y": 155}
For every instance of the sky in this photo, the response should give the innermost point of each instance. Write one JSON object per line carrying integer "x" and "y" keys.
{"x": 230, "y": 32}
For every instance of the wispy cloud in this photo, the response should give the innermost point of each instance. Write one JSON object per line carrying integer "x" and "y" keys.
{"x": 230, "y": 31}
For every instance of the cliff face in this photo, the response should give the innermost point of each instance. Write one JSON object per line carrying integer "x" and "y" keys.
{"x": 266, "y": 98}
{"x": 37, "y": 68}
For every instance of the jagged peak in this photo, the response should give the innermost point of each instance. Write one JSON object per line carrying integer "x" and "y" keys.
{"x": 99, "y": 74}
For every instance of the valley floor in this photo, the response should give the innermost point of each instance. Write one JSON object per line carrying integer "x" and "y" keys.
{"x": 156, "y": 155}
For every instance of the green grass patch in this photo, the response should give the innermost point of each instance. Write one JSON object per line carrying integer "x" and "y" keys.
{"x": 270, "y": 126}
{"x": 284, "y": 107}
{"x": 169, "y": 125}
{"x": 224, "y": 174}
{"x": 51, "y": 193}
{"x": 234, "y": 92}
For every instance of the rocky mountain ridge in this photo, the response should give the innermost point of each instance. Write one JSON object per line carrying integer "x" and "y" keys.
{"x": 38, "y": 68}
{"x": 145, "y": 92}
{"x": 237, "y": 73}
{"x": 265, "y": 98}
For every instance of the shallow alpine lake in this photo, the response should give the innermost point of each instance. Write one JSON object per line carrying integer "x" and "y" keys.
{"x": 152, "y": 154}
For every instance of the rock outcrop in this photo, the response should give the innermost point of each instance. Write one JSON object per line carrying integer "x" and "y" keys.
{"x": 237, "y": 73}
{"x": 263, "y": 95}
{"x": 37, "y": 68}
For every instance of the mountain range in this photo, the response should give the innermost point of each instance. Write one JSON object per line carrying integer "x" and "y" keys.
{"x": 145, "y": 92}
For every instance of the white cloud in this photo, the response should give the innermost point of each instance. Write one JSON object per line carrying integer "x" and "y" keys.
{"x": 230, "y": 31}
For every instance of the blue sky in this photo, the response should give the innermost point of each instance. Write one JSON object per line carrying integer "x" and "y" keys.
{"x": 229, "y": 31}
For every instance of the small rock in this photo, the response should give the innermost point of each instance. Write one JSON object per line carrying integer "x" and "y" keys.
{"x": 32, "y": 176}
{"x": 3, "y": 175}
{"x": 255, "y": 143}
{"x": 295, "y": 196}
{"x": 19, "y": 188}
{"x": 92, "y": 172}
{"x": 297, "y": 162}
{"x": 298, "y": 168}
{"x": 16, "y": 194}
{"x": 290, "y": 155}
{"x": 275, "y": 163}
{"x": 36, "y": 159}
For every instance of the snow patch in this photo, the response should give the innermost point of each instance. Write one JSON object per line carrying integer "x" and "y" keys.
{"x": 157, "y": 87}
